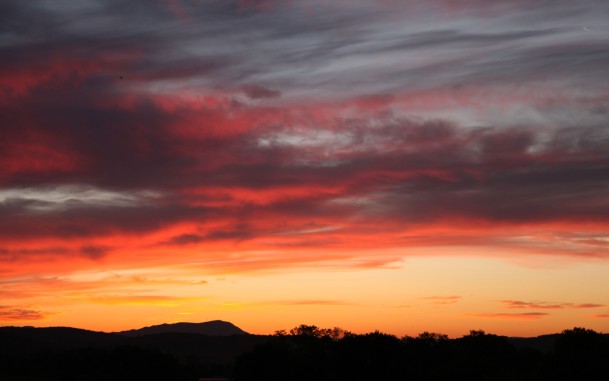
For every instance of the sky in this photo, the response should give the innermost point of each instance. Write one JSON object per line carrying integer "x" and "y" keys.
{"x": 404, "y": 166}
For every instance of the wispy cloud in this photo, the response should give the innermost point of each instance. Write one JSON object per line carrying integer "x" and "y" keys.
{"x": 439, "y": 300}
{"x": 143, "y": 300}
{"x": 511, "y": 316}
{"x": 601, "y": 316}
{"x": 308, "y": 302}
{"x": 517, "y": 304}
{"x": 12, "y": 313}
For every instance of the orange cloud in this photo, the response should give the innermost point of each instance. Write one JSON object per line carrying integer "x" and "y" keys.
{"x": 517, "y": 304}
{"x": 11, "y": 313}
{"x": 143, "y": 300}
{"x": 510, "y": 316}
{"x": 600, "y": 316}
{"x": 443, "y": 299}
{"x": 307, "y": 302}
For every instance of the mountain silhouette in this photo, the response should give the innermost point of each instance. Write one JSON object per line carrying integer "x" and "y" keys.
{"x": 210, "y": 328}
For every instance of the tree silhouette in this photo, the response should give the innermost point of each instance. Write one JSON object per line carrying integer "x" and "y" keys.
{"x": 580, "y": 353}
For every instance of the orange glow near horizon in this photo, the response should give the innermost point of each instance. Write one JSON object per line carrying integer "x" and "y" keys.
{"x": 430, "y": 291}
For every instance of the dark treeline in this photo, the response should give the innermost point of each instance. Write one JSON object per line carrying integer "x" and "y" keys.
{"x": 124, "y": 363}
{"x": 309, "y": 353}
{"x": 304, "y": 353}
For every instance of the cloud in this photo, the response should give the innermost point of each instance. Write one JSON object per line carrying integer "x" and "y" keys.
{"x": 383, "y": 170}
{"x": 259, "y": 92}
{"x": 517, "y": 304}
{"x": 588, "y": 305}
{"x": 9, "y": 255}
{"x": 600, "y": 316}
{"x": 510, "y": 316}
{"x": 308, "y": 49}
{"x": 142, "y": 300}
{"x": 480, "y": 137}
{"x": 440, "y": 300}
{"x": 95, "y": 251}
{"x": 184, "y": 239}
{"x": 64, "y": 197}
{"x": 145, "y": 287}
{"x": 10, "y": 313}
{"x": 308, "y": 302}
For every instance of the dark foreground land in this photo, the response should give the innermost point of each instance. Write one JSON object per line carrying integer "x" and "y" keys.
{"x": 304, "y": 353}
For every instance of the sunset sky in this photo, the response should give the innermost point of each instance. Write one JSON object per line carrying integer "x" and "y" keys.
{"x": 438, "y": 165}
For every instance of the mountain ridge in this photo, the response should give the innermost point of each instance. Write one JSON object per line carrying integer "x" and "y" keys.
{"x": 209, "y": 328}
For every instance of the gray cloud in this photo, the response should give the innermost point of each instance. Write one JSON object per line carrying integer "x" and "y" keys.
{"x": 95, "y": 251}
{"x": 365, "y": 48}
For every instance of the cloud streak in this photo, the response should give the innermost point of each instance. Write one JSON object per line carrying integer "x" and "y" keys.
{"x": 600, "y": 316}
{"x": 511, "y": 316}
{"x": 441, "y": 300}
{"x": 20, "y": 314}
{"x": 309, "y": 302}
{"x": 517, "y": 304}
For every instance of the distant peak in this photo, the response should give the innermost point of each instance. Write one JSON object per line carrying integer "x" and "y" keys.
{"x": 210, "y": 328}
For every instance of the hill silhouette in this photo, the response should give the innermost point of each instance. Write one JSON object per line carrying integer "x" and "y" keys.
{"x": 30, "y": 339}
{"x": 543, "y": 343}
{"x": 64, "y": 353}
{"x": 210, "y": 328}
